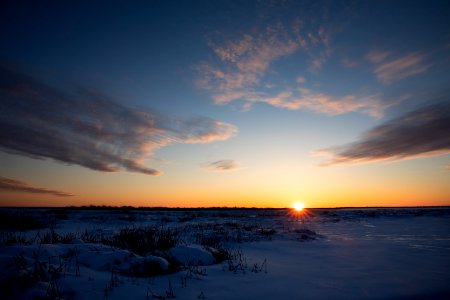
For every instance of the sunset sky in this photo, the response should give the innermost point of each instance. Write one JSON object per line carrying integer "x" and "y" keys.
{"x": 225, "y": 103}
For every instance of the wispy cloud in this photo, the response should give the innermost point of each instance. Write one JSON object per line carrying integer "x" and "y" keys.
{"x": 420, "y": 133}
{"x": 89, "y": 129}
{"x": 222, "y": 165}
{"x": 395, "y": 70}
{"x": 242, "y": 65}
{"x": 8, "y": 184}
{"x": 319, "y": 57}
{"x": 243, "y": 62}
{"x": 378, "y": 56}
{"x": 300, "y": 79}
{"x": 303, "y": 98}
{"x": 349, "y": 63}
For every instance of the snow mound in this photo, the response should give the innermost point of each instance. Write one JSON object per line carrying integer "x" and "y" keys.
{"x": 106, "y": 258}
{"x": 148, "y": 266}
{"x": 192, "y": 255}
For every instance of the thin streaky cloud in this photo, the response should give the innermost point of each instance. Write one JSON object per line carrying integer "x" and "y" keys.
{"x": 224, "y": 165}
{"x": 86, "y": 128}
{"x": 329, "y": 105}
{"x": 349, "y": 63}
{"x": 307, "y": 99}
{"x": 13, "y": 185}
{"x": 401, "y": 68}
{"x": 420, "y": 133}
{"x": 378, "y": 56}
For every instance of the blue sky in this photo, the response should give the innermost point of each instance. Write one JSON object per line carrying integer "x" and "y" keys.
{"x": 323, "y": 101}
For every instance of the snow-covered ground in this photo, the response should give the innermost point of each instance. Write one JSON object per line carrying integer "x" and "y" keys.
{"x": 225, "y": 254}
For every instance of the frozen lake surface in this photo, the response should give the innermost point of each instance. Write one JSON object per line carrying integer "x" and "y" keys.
{"x": 225, "y": 254}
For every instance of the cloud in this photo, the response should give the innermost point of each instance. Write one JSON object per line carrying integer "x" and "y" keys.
{"x": 241, "y": 64}
{"x": 349, "y": 63}
{"x": 197, "y": 130}
{"x": 300, "y": 79}
{"x": 378, "y": 56}
{"x": 222, "y": 165}
{"x": 240, "y": 72}
{"x": 400, "y": 68}
{"x": 86, "y": 128}
{"x": 320, "y": 57}
{"x": 327, "y": 104}
{"x": 8, "y": 184}
{"x": 420, "y": 133}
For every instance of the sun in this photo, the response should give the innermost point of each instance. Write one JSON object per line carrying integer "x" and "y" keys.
{"x": 298, "y": 206}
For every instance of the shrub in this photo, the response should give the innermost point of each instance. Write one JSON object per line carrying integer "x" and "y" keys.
{"x": 144, "y": 240}
{"x": 306, "y": 234}
{"x": 11, "y": 238}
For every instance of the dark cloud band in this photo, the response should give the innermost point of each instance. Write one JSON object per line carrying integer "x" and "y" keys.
{"x": 8, "y": 184}
{"x": 423, "y": 132}
{"x": 89, "y": 129}
{"x": 222, "y": 165}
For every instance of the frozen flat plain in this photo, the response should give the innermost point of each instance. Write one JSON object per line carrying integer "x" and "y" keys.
{"x": 395, "y": 253}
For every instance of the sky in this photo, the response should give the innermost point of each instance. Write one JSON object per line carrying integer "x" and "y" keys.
{"x": 225, "y": 103}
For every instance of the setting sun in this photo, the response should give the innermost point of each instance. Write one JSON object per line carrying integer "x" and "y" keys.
{"x": 298, "y": 206}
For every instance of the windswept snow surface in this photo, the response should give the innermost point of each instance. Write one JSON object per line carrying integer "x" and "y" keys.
{"x": 392, "y": 254}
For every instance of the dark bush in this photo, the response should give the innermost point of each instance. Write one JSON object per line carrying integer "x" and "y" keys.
{"x": 11, "y": 238}
{"x": 147, "y": 268}
{"x": 306, "y": 234}
{"x": 143, "y": 240}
